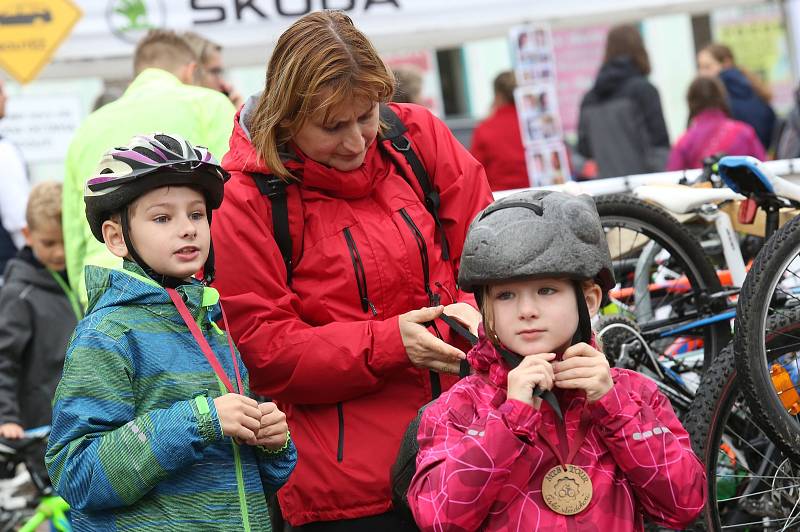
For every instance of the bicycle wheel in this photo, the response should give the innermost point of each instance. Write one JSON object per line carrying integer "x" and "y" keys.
{"x": 768, "y": 360}
{"x": 752, "y": 485}
{"x": 665, "y": 281}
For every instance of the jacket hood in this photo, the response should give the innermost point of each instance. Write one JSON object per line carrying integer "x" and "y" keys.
{"x": 736, "y": 83}
{"x": 107, "y": 289}
{"x": 613, "y": 74}
{"x": 30, "y": 272}
{"x": 242, "y": 157}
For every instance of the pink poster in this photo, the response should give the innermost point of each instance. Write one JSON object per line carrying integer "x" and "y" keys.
{"x": 578, "y": 55}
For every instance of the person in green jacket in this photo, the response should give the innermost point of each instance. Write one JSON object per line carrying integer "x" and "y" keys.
{"x": 152, "y": 425}
{"x": 160, "y": 98}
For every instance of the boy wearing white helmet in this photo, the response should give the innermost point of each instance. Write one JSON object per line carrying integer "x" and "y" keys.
{"x": 606, "y": 448}
{"x": 152, "y": 423}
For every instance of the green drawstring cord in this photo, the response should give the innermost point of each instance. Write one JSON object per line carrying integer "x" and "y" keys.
{"x": 73, "y": 300}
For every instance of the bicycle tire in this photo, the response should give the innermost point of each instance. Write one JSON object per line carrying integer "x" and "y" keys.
{"x": 656, "y": 223}
{"x": 709, "y": 423}
{"x": 752, "y": 358}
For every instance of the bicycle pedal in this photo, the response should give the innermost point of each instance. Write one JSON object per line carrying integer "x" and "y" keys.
{"x": 747, "y": 211}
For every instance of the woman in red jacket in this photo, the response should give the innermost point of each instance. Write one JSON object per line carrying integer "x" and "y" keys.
{"x": 339, "y": 339}
{"x": 608, "y": 448}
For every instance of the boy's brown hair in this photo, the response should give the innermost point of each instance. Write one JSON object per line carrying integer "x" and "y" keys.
{"x": 44, "y": 205}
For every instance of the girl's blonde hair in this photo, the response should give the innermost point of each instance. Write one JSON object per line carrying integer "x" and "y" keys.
{"x": 320, "y": 54}
{"x": 488, "y": 312}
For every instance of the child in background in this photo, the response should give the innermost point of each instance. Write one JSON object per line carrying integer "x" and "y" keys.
{"x": 38, "y": 313}
{"x": 493, "y": 457}
{"x": 153, "y": 428}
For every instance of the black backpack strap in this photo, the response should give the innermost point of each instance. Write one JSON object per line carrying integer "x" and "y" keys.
{"x": 275, "y": 189}
{"x": 395, "y": 134}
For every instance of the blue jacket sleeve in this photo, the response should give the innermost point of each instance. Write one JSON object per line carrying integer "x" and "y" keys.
{"x": 275, "y": 468}
{"x": 100, "y": 454}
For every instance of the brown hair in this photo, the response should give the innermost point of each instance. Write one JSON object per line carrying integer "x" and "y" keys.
{"x": 162, "y": 49}
{"x": 201, "y": 46}
{"x": 504, "y": 85}
{"x": 321, "y": 52}
{"x": 408, "y": 84}
{"x": 625, "y": 40}
{"x": 44, "y": 204}
{"x": 706, "y": 93}
{"x": 723, "y": 54}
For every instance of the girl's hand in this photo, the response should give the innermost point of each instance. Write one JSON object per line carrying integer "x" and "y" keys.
{"x": 272, "y": 433}
{"x": 465, "y": 314}
{"x": 424, "y": 350}
{"x": 584, "y": 368}
{"x": 533, "y": 371}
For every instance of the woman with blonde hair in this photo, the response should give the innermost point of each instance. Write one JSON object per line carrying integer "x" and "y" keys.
{"x": 332, "y": 265}
{"x": 748, "y": 96}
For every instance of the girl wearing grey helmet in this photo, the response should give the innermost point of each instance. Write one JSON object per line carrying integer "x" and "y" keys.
{"x": 606, "y": 452}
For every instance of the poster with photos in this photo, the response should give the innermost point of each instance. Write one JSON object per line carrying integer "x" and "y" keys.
{"x": 547, "y": 164}
{"x": 537, "y": 105}
{"x": 533, "y": 54}
{"x": 537, "y": 110}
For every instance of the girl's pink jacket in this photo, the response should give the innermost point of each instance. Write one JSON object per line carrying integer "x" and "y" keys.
{"x": 480, "y": 463}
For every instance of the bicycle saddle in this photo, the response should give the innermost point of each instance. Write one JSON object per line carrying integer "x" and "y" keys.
{"x": 681, "y": 199}
{"x": 747, "y": 175}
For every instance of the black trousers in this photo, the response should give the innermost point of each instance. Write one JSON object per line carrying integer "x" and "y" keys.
{"x": 388, "y": 522}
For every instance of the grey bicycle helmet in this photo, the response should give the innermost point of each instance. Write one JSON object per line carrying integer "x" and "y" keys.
{"x": 536, "y": 233}
{"x": 148, "y": 162}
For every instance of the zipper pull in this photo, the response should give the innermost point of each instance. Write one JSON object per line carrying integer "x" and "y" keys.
{"x": 371, "y": 307}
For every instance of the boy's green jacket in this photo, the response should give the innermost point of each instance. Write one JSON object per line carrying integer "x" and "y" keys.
{"x": 136, "y": 441}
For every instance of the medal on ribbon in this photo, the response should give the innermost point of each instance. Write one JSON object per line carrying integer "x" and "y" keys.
{"x": 567, "y": 488}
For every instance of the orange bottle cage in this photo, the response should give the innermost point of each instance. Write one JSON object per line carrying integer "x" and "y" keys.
{"x": 786, "y": 389}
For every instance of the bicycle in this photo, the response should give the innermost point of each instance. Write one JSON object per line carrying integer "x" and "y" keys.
{"x": 739, "y": 422}
{"x": 18, "y": 510}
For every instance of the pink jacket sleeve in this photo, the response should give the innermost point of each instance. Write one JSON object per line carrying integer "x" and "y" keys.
{"x": 652, "y": 449}
{"x": 465, "y": 459}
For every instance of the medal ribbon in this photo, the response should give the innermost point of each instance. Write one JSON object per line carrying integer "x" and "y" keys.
{"x": 567, "y": 452}
{"x": 203, "y": 343}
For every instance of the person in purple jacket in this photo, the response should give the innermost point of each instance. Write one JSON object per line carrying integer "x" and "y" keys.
{"x": 711, "y": 129}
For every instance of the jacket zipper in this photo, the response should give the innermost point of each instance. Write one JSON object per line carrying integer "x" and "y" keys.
{"x": 361, "y": 277}
{"x": 340, "y": 446}
{"x": 433, "y": 299}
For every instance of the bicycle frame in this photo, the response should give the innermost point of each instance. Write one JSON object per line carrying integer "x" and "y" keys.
{"x": 53, "y": 509}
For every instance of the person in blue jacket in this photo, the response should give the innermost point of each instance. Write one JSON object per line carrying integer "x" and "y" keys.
{"x": 748, "y": 96}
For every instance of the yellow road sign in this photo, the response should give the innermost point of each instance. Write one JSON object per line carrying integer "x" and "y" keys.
{"x": 31, "y": 31}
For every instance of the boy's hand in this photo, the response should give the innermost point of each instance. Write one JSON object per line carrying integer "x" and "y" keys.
{"x": 585, "y": 368}
{"x": 11, "y": 431}
{"x": 272, "y": 433}
{"x": 533, "y": 371}
{"x": 239, "y": 417}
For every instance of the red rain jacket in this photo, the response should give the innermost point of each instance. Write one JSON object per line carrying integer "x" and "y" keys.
{"x": 497, "y": 144}
{"x": 338, "y": 369}
{"x": 480, "y": 464}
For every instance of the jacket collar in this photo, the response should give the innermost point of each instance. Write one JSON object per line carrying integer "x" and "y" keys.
{"x": 131, "y": 286}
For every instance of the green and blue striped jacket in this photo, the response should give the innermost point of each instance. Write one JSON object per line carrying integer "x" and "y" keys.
{"x": 136, "y": 442}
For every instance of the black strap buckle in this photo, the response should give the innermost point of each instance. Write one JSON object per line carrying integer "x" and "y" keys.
{"x": 275, "y": 187}
{"x": 401, "y": 143}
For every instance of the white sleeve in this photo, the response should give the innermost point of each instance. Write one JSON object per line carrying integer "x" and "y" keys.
{"x": 15, "y": 187}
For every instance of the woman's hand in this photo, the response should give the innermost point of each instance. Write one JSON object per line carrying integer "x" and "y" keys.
{"x": 465, "y": 314}
{"x": 534, "y": 371}
{"x": 584, "y": 368}
{"x": 425, "y": 350}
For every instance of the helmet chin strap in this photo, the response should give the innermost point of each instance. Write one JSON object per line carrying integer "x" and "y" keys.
{"x": 584, "y": 331}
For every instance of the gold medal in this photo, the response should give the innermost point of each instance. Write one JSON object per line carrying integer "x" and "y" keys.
{"x": 567, "y": 490}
